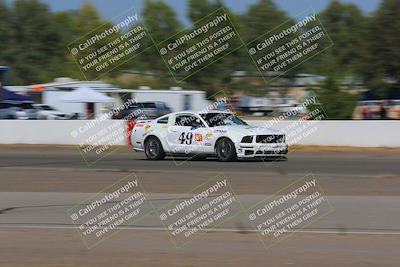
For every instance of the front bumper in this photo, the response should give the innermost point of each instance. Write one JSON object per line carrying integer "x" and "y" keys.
{"x": 252, "y": 150}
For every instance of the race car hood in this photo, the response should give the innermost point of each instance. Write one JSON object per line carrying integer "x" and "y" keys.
{"x": 246, "y": 130}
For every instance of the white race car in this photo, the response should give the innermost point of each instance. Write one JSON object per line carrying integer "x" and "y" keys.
{"x": 219, "y": 134}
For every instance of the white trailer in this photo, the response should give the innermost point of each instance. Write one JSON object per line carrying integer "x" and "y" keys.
{"x": 177, "y": 100}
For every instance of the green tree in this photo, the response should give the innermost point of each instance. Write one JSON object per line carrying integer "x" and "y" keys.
{"x": 84, "y": 24}
{"x": 85, "y": 20}
{"x": 64, "y": 64}
{"x": 35, "y": 41}
{"x": 6, "y": 33}
{"x": 198, "y": 9}
{"x": 335, "y": 102}
{"x": 217, "y": 76}
{"x": 382, "y": 66}
{"x": 161, "y": 22}
{"x": 261, "y": 18}
{"x": 347, "y": 27}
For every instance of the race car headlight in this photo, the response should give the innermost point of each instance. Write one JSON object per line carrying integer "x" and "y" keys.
{"x": 247, "y": 139}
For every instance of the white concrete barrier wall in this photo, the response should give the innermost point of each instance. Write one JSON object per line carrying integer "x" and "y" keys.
{"x": 55, "y": 132}
{"x": 340, "y": 133}
{"x": 320, "y": 133}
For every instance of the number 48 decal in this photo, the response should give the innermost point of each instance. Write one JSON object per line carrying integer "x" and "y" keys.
{"x": 186, "y": 138}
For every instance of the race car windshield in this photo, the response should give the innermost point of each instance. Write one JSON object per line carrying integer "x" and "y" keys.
{"x": 221, "y": 119}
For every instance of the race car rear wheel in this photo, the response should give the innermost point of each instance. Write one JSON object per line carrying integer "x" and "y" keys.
{"x": 153, "y": 149}
{"x": 225, "y": 150}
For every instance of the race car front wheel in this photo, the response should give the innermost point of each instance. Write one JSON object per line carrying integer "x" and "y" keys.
{"x": 154, "y": 149}
{"x": 225, "y": 150}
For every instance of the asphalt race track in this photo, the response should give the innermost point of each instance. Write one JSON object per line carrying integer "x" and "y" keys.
{"x": 39, "y": 184}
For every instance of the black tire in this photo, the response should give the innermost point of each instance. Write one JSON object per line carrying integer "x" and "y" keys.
{"x": 225, "y": 150}
{"x": 153, "y": 149}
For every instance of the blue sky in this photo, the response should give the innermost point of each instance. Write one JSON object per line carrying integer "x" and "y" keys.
{"x": 112, "y": 8}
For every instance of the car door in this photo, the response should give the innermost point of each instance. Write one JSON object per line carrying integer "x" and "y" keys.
{"x": 185, "y": 135}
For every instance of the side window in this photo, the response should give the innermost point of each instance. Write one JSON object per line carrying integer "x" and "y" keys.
{"x": 163, "y": 120}
{"x": 188, "y": 120}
